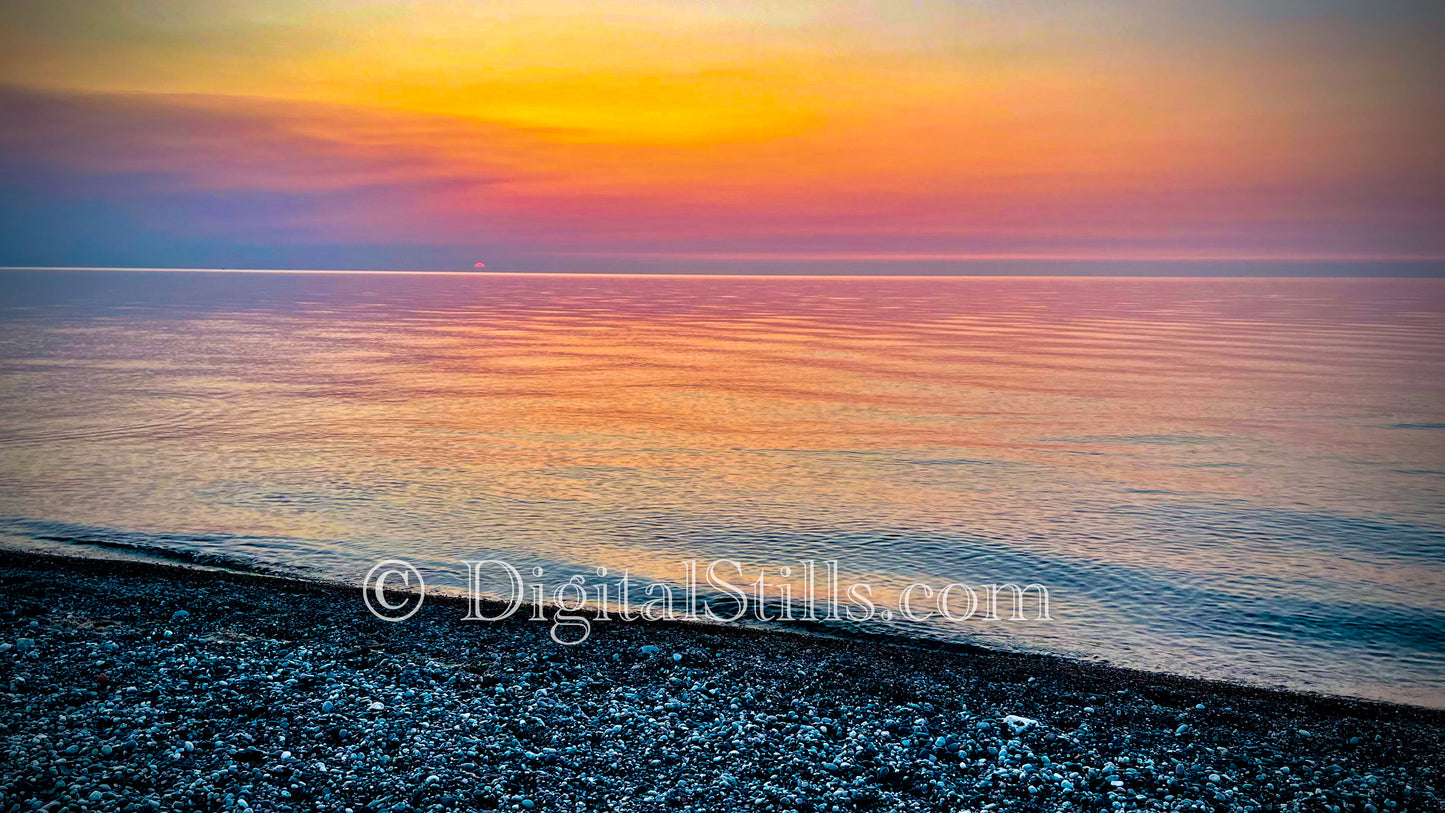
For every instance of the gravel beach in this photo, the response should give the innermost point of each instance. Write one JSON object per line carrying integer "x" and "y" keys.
{"x": 139, "y": 686}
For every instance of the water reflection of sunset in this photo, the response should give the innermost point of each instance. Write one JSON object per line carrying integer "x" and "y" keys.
{"x": 1165, "y": 455}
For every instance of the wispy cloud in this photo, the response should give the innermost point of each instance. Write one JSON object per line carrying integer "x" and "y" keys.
{"x": 780, "y": 132}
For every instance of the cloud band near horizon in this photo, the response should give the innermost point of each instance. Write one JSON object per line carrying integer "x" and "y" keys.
{"x": 584, "y": 135}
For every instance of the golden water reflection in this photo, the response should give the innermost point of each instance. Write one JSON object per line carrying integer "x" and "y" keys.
{"x": 1238, "y": 478}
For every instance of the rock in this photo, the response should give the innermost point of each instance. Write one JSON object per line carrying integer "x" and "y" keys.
{"x": 1017, "y": 724}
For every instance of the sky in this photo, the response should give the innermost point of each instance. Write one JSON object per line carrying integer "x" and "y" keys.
{"x": 616, "y": 135}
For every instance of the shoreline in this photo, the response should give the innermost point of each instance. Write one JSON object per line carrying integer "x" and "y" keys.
{"x": 179, "y": 562}
{"x": 104, "y": 550}
{"x": 270, "y": 685}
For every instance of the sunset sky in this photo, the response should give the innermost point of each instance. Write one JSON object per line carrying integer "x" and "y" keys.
{"x": 776, "y": 135}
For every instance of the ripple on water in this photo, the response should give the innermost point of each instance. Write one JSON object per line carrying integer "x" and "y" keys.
{"x": 1231, "y": 478}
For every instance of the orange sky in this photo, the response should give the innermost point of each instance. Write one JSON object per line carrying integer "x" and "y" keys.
{"x": 560, "y": 134}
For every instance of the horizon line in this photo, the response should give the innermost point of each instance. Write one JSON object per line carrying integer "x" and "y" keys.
{"x": 467, "y": 272}
{"x": 826, "y": 256}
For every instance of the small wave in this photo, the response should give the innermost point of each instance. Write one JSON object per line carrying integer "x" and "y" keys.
{"x": 178, "y": 416}
{"x": 169, "y": 547}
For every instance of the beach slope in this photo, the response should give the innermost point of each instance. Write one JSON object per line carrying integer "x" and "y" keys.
{"x": 139, "y": 686}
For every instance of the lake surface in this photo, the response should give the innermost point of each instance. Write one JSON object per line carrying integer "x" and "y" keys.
{"x": 1234, "y": 478}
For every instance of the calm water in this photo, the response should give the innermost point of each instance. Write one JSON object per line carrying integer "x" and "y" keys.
{"x": 1237, "y": 478}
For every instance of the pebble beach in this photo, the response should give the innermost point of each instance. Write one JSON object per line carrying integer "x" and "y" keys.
{"x": 136, "y": 686}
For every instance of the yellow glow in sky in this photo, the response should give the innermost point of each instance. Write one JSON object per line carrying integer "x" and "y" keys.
{"x": 1221, "y": 125}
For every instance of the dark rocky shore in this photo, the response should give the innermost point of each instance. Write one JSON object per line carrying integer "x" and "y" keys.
{"x": 147, "y": 687}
